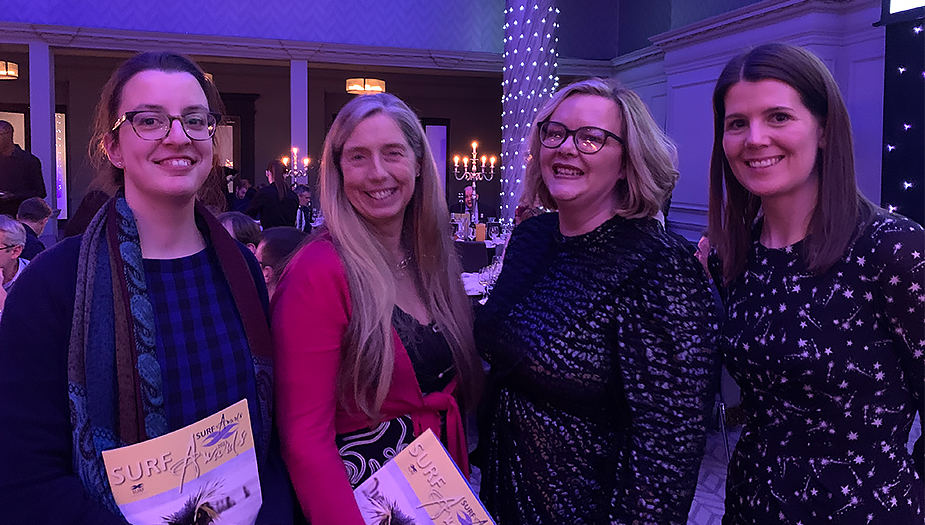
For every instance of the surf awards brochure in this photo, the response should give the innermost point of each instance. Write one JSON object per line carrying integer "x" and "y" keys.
{"x": 421, "y": 485}
{"x": 203, "y": 473}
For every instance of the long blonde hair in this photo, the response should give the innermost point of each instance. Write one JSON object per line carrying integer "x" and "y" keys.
{"x": 649, "y": 159}
{"x": 368, "y": 352}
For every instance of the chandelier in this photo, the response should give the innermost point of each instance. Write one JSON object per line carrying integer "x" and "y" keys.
{"x": 474, "y": 172}
{"x": 298, "y": 171}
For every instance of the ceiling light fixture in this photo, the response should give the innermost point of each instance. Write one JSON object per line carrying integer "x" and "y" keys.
{"x": 365, "y": 86}
{"x": 9, "y": 70}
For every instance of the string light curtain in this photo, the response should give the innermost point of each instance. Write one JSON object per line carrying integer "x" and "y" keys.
{"x": 902, "y": 185}
{"x": 530, "y": 58}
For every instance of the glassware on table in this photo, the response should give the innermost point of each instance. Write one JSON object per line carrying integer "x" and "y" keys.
{"x": 494, "y": 232}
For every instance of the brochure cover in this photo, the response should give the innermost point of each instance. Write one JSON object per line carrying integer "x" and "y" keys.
{"x": 205, "y": 473}
{"x": 420, "y": 486}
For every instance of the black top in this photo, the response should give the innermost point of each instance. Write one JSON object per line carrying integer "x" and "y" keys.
{"x": 20, "y": 179}
{"x": 364, "y": 451}
{"x": 831, "y": 368}
{"x": 602, "y": 347}
{"x": 33, "y": 245}
{"x": 267, "y": 206}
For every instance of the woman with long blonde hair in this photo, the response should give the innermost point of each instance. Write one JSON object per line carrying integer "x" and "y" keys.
{"x": 372, "y": 325}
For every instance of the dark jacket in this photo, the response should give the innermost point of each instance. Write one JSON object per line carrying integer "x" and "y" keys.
{"x": 267, "y": 206}
{"x": 39, "y": 484}
{"x": 33, "y": 245}
{"x": 20, "y": 179}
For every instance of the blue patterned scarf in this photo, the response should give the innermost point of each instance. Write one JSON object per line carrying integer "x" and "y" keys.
{"x": 114, "y": 379}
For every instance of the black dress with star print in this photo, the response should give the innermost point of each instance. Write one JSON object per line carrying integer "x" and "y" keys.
{"x": 831, "y": 370}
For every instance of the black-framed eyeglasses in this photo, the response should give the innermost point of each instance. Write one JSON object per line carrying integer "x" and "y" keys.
{"x": 588, "y": 139}
{"x": 155, "y": 125}
{"x": 7, "y": 247}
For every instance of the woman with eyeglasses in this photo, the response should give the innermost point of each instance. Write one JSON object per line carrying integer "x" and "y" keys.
{"x": 151, "y": 320}
{"x": 600, "y": 330}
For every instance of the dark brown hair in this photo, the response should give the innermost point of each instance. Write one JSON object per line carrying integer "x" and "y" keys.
{"x": 107, "y": 110}
{"x": 278, "y": 171}
{"x": 244, "y": 229}
{"x": 733, "y": 209}
{"x": 279, "y": 243}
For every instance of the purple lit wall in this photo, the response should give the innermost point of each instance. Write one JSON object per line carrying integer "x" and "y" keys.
{"x": 461, "y": 25}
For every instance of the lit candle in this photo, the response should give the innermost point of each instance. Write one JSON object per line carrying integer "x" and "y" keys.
{"x": 306, "y": 161}
{"x": 484, "y": 158}
{"x": 465, "y": 162}
{"x": 285, "y": 161}
{"x": 456, "y": 161}
{"x": 475, "y": 146}
{"x": 493, "y": 162}
{"x": 295, "y": 151}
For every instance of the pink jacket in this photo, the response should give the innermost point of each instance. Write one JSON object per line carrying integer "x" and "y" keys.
{"x": 310, "y": 312}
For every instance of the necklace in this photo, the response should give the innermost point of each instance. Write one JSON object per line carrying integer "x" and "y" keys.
{"x": 402, "y": 264}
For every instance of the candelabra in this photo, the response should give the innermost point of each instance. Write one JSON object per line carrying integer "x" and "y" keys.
{"x": 475, "y": 173}
{"x": 298, "y": 171}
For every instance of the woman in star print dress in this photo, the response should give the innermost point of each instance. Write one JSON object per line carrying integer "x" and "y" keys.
{"x": 824, "y": 303}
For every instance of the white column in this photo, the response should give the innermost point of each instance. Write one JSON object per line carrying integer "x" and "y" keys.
{"x": 298, "y": 105}
{"x": 42, "y": 117}
{"x": 529, "y": 80}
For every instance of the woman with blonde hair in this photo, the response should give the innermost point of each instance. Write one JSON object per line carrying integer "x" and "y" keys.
{"x": 600, "y": 329}
{"x": 372, "y": 325}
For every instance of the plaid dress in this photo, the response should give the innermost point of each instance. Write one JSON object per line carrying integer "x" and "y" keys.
{"x": 201, "y": 345}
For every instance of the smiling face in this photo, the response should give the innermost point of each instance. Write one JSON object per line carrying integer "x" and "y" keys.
{"x": 581, "y": 181}
{"x": 174, "y": 167}
{"x": 468, "y": 197}
{"x": 771, "y": 140}
{"x": 379, "y": 170}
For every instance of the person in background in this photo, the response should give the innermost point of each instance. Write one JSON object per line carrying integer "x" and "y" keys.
{"x": 240, "y": 200}
{"x": 150, "y": 321}
{"x": 34, "y": 213}
{"x": 20, "y": 173}
{"x": 275, "y": 204}
{"x": 303, "y": 219}
{"x": 12, "y": 264}
{"x": 469, "y": 204}
{"x": 600, "y": 330}
{"x": 372, "y": 325}
{"x": 824, "y": 303}
{"x": 242, "y": 228}
{"x": 91, "y": 203}
{"x": 274, "y": 251}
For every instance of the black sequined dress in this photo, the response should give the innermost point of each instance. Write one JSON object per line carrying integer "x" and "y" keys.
{"x": 602, "y": 348}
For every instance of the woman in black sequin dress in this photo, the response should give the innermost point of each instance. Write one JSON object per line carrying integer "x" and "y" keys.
{"x": 600, "y": 331}
{"x": 825, "y": 328}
